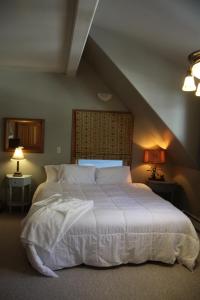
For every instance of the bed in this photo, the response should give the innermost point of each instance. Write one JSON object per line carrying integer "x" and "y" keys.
{"x": 126, "y": 223}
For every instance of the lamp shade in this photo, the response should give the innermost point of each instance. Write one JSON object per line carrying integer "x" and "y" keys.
{"x": 189, "y": 84}
{"x": 196, "y": 70}
{"x": 154, "y": 156}
{"x": 18, "y": 154}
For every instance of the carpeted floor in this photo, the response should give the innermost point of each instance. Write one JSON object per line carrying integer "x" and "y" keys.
{"x": 148, "y": 281}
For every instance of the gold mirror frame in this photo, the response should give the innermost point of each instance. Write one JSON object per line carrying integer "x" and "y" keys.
{"x": 28, "y": 133}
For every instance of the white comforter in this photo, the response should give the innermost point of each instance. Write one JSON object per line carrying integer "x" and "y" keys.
{"x": 128, "y": 224}
{"x": 49, "y": 219}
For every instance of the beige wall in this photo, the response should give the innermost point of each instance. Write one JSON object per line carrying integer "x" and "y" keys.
{"x": 51, "y": 97}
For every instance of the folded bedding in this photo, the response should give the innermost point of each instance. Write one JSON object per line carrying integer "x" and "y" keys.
{"x": 105, "y": 225}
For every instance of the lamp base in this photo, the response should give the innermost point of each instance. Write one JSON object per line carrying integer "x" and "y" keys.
{"x": 17, "y": 174}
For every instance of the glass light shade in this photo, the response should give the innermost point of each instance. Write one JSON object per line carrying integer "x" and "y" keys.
{"x": 196, "y": 70}
{"x": 189, "y": 84}
{"x": 18, "y": 154}
{"x": 198, "y": 91}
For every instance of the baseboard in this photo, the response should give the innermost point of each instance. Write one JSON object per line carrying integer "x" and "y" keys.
{"x": 195, "y": 221}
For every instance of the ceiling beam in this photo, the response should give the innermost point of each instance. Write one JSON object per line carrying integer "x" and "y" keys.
{"x": 84, "y": 12}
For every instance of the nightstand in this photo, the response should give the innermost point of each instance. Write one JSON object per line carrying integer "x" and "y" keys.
{"x": 24, "y": 184}
{"x": 164, "y": 189}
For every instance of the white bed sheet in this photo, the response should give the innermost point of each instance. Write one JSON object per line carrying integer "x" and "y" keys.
{"x": 128, "y": 224}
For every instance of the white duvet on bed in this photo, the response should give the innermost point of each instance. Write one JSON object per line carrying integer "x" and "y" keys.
{"x": 52, "y": 218}
{"x": 128, "y": 224}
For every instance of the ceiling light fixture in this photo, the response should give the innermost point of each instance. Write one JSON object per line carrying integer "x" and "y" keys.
{"x": 189, "y": 83}
{"x": 193, "y": 73}
{"x": 198, "y": 90}
{"x": 194, "y": 60}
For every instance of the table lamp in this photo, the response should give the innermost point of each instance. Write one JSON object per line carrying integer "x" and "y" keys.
{"x": 154, "y": 156}
{"x": 18, "y": 155}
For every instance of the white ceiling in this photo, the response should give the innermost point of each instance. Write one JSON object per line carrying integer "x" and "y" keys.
{"x": 44, "y": 35}
{"x": 33, "y": 33}
{"x": 50, "y": 35}
{"x": 170, "y": 27}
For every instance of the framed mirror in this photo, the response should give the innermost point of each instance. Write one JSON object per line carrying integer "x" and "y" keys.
{"x": 28, "y": 133}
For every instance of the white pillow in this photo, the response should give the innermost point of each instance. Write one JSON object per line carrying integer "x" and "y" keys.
{"x": 52, "y": 172}
{"x": 114, "y": 175}
{"x": 74, "y": 174}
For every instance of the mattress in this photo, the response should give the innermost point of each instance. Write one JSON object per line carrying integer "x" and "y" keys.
{"x": 128, "y": 223}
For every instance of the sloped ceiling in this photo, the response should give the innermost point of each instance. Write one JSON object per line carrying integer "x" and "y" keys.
{"x": 169, "y": 27}
{"x": 149, "y": 42}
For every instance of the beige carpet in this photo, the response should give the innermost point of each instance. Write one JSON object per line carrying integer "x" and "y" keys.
{"x": 148, "y": 281}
